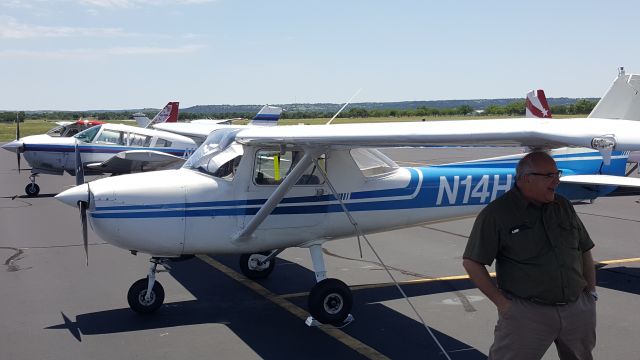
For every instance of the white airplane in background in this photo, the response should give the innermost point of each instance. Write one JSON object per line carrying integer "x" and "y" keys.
{"x": 257, "y": 191}
{"x": 198, "y": 130}
{"x": 105, "y": 148}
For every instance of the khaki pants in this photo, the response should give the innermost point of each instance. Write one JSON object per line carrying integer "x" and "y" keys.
{"x": 527, "y": 330}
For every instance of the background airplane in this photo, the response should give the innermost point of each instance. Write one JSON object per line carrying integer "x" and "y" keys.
{"x": 198, "y": 130}
{"x": 256, "y": 191}
{"x": 105, "y": 148}
{"x": 70, "y": 128}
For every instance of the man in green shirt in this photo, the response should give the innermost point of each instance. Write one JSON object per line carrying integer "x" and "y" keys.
{"x": 545, "y": 273}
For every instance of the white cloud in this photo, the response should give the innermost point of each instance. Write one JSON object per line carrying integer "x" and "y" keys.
{"x": 10, "y": 28}
{"x": 16, "y": 4}
{"x": 136, "y": 3}
{"x": 94, "y": 53}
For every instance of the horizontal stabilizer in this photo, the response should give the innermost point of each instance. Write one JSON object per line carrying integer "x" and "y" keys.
{"x": 138, "y": 160}
{"x": 607, "y": 180}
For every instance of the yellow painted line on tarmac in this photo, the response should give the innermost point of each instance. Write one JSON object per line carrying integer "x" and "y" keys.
{"x": 442, "y": 278}
{"x": 619, "y": 261}
{"x": 300, "y": 313}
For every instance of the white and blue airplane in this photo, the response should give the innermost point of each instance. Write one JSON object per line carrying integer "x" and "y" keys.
{"x": 104, "y": 148}
{"x": 257, "y": 191}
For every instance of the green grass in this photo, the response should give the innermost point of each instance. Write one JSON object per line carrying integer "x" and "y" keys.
{"x": 33, "y": 127}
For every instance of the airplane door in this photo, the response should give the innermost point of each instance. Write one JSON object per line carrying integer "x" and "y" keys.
{"x": 305, "y": 204}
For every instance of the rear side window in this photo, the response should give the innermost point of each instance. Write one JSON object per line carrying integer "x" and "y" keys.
{"x": 163, "y": 143}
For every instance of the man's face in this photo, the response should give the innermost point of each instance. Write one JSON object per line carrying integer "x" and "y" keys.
{"x": 539, "y": 184}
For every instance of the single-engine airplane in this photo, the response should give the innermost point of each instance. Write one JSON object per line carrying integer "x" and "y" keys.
{"x": 105, "y": 148}
{"x": 257, "y": 191}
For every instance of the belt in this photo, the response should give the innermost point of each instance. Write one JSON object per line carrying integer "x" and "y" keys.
{"x": 547, "y": 303}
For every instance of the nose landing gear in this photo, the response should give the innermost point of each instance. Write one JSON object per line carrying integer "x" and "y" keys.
{"x": 146, "y": 295}
{"x": 32, "y": 189}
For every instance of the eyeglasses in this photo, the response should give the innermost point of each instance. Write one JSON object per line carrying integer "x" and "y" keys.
{"x": 548, "y": 176}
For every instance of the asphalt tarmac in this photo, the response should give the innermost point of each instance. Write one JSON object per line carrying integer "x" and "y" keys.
{"x": 55, "y": 307}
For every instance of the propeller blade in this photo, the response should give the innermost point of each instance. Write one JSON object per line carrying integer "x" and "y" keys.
{"x": 17, "y": 128}
{"x": 83, "y": 216}
{"x": 79, "y": 167}
{"x": 18, "y": 138}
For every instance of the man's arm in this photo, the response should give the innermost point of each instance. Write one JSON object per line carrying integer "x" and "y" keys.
{"x": 589, "y": 270}
{"x": 480, "y": 276}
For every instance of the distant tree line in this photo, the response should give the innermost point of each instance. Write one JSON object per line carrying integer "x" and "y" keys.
{"x": 516, "y": 108}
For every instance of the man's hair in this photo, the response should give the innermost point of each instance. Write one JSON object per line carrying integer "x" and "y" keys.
{"x": 527, "y": 163}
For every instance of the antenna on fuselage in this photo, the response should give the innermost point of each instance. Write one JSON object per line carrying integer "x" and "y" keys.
{"x": 344, "y": 106}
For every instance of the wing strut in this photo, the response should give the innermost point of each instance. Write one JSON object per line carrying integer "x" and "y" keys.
{"x": 353, "y": 222}
{"x": 277, "y": 196}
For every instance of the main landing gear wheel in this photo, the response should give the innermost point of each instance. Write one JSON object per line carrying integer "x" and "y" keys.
{"x": 251, "y": 265}
{"x": 32, "y": 190}
{"x": 137, "y": 297}
{"x": 330, "y": 301}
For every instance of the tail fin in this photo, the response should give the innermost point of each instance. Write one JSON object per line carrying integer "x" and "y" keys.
{"x": 267, "y": 116}
{"x": 537, "y": 106}
{"x": 141, "y": 119}
{"x": 168, "y": 114}
{"x": 622, "y": 100}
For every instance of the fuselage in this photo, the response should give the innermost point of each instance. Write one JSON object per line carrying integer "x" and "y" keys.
{"x": 186, "y": 211}
{"x": 55, "y": 155}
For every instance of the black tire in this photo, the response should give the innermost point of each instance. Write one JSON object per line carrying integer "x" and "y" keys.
{"x": 137, "y": 293}
{"x": 248, "y": 266}
{"x": 330, "y": 301}
{"x": 32, "y": 190}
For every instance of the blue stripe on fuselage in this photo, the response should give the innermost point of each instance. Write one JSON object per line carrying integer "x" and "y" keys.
{"x": 441, "y": 186}
{"x": 97, "y": 149}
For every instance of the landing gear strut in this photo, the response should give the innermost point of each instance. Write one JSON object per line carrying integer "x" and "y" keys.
{"x": 147, "y": 295}
{"x": 32, "y": 189}
{"x": 330, "y": 300}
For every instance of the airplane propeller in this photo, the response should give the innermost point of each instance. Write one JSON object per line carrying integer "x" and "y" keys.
{"x": 82, "y": 205}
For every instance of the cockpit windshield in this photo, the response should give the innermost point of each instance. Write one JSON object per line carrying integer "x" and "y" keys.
{"x": 219, "y": 149}
{"x": 89, "y": 134}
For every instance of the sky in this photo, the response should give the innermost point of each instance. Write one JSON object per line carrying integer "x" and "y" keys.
{"x": 130, "y": 54}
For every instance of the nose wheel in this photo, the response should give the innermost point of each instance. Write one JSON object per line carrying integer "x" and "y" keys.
{"x": 146, "y": 295}
{"x": 259, "y": 265}
{"x": 32, "y": 189}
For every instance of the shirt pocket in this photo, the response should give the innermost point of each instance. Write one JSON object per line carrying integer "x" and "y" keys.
{"x": 567, "y": 235}
{"x": 523, "y": 245}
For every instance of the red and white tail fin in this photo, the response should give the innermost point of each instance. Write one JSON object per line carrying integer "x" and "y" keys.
{"x": 537, "y": 106}
{"x": 168, "y": 114}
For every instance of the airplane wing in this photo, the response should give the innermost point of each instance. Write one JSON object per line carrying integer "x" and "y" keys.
{"x": 198, "y": 132}
{"x": 601, "y": 134}
{"x": 608, "y": 180}
{"x": 136, "y": 161}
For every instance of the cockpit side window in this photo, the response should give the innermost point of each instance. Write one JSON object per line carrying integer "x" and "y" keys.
{"x": 272, "y": 167}
{"x": 109, "y": 136}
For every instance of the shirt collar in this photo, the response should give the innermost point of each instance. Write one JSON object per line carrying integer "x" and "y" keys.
{"x": 521, "y": 201}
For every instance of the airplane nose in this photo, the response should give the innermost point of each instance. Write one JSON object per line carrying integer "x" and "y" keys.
{"x": 14, "y": 146}
{"x": 73, "y": 195}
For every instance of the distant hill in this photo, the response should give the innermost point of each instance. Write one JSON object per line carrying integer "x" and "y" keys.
{"x": 476, "y": 104}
